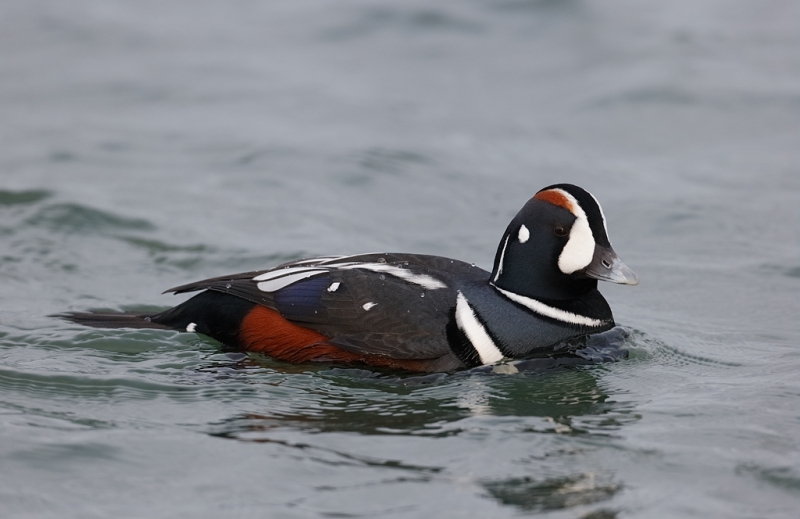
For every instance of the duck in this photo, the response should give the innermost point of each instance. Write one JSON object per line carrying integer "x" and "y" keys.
{"x": 415, "y": 312}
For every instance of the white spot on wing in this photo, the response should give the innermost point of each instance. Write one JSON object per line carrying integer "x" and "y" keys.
{"x": 368, "y": 306}
{"x": 579, "y": 250}
{"x": 549, "y": 311}
{"x": 191, "y": 327}
{"x": 334, "y": 286}
{"x": 468, "y": 323}
{"x": 524, "y": 234}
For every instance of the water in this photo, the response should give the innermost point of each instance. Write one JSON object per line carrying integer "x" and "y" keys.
{"x": 147, "y": 144}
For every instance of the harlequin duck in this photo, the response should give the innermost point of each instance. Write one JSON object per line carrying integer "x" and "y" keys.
{"x": 412, "y": 311}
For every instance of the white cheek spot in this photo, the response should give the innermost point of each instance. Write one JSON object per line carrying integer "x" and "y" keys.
{"x": 334, "y": 287}
{"x": 368, "y": 306}
{"x": 191, "y": 327}
{"x": 524, "y": 234}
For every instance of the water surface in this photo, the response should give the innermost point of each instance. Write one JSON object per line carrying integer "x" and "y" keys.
{"x": 145, "y": 145}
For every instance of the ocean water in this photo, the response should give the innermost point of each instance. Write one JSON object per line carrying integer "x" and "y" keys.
{"x": 148, "y": 144}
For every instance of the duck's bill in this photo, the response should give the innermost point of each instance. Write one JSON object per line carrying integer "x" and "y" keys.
{"x": 606, "y": 266}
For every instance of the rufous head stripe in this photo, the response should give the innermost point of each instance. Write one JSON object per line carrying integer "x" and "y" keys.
{"x": 555, "y": 197}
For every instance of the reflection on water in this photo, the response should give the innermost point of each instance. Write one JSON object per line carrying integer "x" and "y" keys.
{"x": 503, "y": 408}
{"x": 542, "y": 494}
{"x": 143, "y": 148}
{"x": 558, "y": 390}
{"x": 568, "y": 400}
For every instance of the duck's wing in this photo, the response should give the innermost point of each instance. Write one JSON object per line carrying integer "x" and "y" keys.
{"x": 395, "y": 305}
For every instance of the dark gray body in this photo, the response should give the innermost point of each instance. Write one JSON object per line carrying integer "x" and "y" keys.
{"x": 407, "y": 320}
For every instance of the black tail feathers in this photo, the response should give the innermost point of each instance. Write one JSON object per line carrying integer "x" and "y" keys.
{"x": 215, "y": 314}
{"x": 112, "y": 320}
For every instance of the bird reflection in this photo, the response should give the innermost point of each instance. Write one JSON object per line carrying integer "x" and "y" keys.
{"x": 555, "y": 396}
{"x": 374, "y": 403}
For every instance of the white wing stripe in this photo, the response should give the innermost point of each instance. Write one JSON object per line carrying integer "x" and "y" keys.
{"x": 422, "y": 280}
{"x": 273, "y": 274}
{"x": 276, "y": 279}
{"x": 273, "y": 285}
{"x": 315, "y": 261}
{"x": 331, "y": 259}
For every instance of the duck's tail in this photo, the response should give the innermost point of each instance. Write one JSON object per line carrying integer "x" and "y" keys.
{"x": 113, "y": 320}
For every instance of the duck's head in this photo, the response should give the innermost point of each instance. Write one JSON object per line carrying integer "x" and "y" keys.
{"x": 557, "y": 247}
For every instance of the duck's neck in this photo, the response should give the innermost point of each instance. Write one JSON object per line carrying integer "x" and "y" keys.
{"x": 531, "y": 272}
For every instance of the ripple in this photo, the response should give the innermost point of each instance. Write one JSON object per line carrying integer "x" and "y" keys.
{"x": 786, "y": 478}
{"x": 330, "y": 399}
{"x": 541, "y": 495}
{"x": 74, "y": 218}
{"x": 646, "y": 347}
{"x": 793, "y": 272}
{"x": 378, "y": 19}
{"x": 61, "y": 384}
{"x": 156, "y": 246}
{"x": 8, "y": 198}
{"x": 336, "y": 457}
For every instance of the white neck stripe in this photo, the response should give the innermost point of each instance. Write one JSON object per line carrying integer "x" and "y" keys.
{"x": 549, "y": 311}
{"x": 502, "y": 257}
{"x": 476, "y": 334}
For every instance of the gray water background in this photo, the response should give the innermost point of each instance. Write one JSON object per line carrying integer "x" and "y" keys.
{"x": 148, "y": 144}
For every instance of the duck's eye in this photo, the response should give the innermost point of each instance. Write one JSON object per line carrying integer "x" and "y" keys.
{"x": 560, "y": 231}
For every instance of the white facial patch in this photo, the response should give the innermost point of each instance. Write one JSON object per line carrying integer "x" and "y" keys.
{"x": 579, "y": 250}
{"x": 368, "y": 306}
{"x": 549, "y": 311}
{"x": 524, "y": 234}
{"x": 191, "y": 327}
{"x": 334, "y": 287}
{"x": 477, "y": 335}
